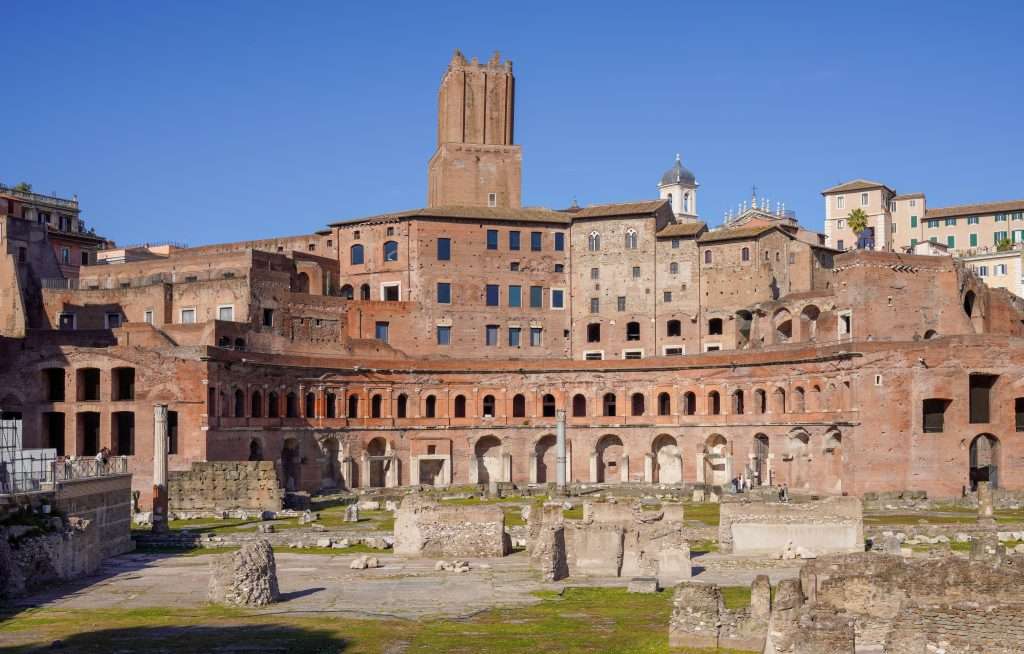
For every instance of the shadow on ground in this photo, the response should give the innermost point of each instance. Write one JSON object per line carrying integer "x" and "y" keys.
{"x": 262, "y": 639}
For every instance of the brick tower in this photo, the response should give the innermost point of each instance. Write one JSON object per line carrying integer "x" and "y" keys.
{"x": 476, "y": 163}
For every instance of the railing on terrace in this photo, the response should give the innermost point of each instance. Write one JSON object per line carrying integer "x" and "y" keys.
{"x": 31, "y": 471}
{"x": 59, "y": 284}
{"x": 40, "y": 197}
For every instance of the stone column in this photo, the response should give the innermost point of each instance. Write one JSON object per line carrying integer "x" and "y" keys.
{"x": 560, "y": 450}
{"x": 624, "y": 468}
{"x": 506, "y": 467}
{"x": 348, "y": 466}
{"x": 985, "y": 513}
{"x": 533, "y": 467}
{"x": 648, "y": 468}
{"x": 593, "y": 467}
{"x": 414, "y": 471}
{"x": 159, "y": 468}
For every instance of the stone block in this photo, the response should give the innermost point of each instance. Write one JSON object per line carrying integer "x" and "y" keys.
{"x": 643, "y": 585}
{"x": 246, "y": 578}
{"x": 695, "y": 616}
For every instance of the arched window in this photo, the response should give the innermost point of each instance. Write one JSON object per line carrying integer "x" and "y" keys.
{"x": 780, "y": 400}
{"x": 707, "y": 256}
{"x": 737, "y": 402}
{"x": 673, "y": 268}
{"x": 331, "y": 400}
{"x": 548, "y": 406}
{"x": 714, "y": 403}
{"x": 488, "y": 406}
{"x": 256, "y": 404}
{"x": 689, "y": 403}
{"x": 798, "y": 399}
{"x": 239, "y": 403}
{"x": 745, "y": 254}
{"x": 637, "y": 404}
{"x": 632, "y": 331}
{"x": 347, "y": 292}
{"x": 430, "y": 407}
{"x": 519, "y": 406}
{"x": 291, "y": 405}
{"x": 355, "y": 255}
{"x": 631, "y": 239}
{"x": 609, "y": 404}
{"x": 686, "y": 203}
{"x": 364, "y": 292}
{"x": 664, "y": 404}
{"x": 353, "y": 406}
{"x": 594, "y": 332}
{"x": 273, "y": 405}
{"x": 460, "y": 406}
{"x": 760, "y": 401}
{"x": 670, "y": 201}
{"x": 402, "y": 408}
{"x": 390, "y": 250}
{"x": 375, "y": 405}
{"x": 579, "y": 405}
{"x": 310, "y": 405}
{"x": 594, "y": 242}
{"x": 674, "y": 328}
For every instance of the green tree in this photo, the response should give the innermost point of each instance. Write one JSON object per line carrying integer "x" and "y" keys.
{"x": 857, "y": 220}
{"x": 1004, "y": 244}
{"x": 24, "y": 187}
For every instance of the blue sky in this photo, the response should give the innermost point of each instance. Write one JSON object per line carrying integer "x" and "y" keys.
{"x": 218, "y": 121}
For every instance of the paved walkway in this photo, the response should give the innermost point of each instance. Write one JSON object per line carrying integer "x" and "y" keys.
{"x": 314, "y": 583}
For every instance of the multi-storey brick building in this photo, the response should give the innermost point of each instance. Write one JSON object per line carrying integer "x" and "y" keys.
{"x": 436, "y": 346}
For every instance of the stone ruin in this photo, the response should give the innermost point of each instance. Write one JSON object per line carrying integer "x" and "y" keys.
{"x": 209, "y": 488}
{"x": 612, "y": 540}
{"x": 33, "y": 557}
{"x": 700, "y": 619}
{"x": 246, "y": 578}
{"x": 426, "y": 528}
{"x": 832, "y": 525}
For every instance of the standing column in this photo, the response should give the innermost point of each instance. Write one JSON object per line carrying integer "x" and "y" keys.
{"x": 159, "y": 468}
{"x": 560, "y": 450}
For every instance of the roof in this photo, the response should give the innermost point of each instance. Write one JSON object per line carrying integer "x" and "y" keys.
{"x": 856, "y": 185}
{"x": 738, "y": 233}
{"x": 908, "y": 196}
{"x": 678, "y": 173}
{"x": 971, "y": 209}
{"x": 682, "y": 230}
{"x": 532, "y": 214}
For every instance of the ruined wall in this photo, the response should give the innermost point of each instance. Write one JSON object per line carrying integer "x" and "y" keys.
{"x": 833, "y": 524}
{"x": 31, "y": 558}
{"x": 220, "y": 486}
{"x": 426, "y": 528}
{"x": 106, "y": 503}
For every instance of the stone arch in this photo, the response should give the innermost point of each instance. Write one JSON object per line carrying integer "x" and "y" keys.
{"x": 255, "y": 449}
{"x": 716, "y": 460}
{"x": 518, "y": 405}
{"x": 799, "y": 405}
{"x": 256, "y": 405}
{"x": 402, "y": 408}
{"x": 985, "y": 453}
{"x": 376, "y": 405}
{"x": 347, "y": 292}
{"x": 809, "y": 322}
{"x": 608, "y": 404}
{"x": 779, "y": 398}
{"x": 689, "y": 403}
{"x": 783, "y": 323}
{"x": 930, "y": 334}
{"x": 545, "y": 453}
{"x": 714, "y": 403}
{"x": 668, "y": 460}
{"x": 637, "y": 404}
{"x": 664, "y": 404}
{"x": 760, "y": 401}
{"x": 609, "y": 454}
{"x": 377, "y": 452}
{"x": 430, "y": 406}
{"x": 330, "y": 475}
{"x": 488, "y": 406}
{"x": 239, "y": 403}
{"x": 487, "y": 452}
{"x": 291, "y": 464}
{"x": 460, "y": 406}
{"x": 548, "y": 405}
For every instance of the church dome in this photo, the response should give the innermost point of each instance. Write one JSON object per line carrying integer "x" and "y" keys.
{"x": 678, "y": 174}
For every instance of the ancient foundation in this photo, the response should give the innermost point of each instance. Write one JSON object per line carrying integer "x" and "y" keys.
{"x": 828, "y": 526}
{"x": 425, "y": 528}
{"x": 212, "y": 488}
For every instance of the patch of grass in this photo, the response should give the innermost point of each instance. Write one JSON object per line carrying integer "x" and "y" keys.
{"x": 913, "y": 519}
{"x": 575, "y": 513}
{"x": 586, "y": 620}
{"x": 706, "y": 512}
{"x": 736, "y": 597}
{"x": 704, "y": 546}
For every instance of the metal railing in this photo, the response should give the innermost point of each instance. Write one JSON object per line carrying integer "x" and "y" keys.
{"x": 40, "y": 197}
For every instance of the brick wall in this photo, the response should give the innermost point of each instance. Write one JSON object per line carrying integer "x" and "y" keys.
{"x": 225, "y": 485}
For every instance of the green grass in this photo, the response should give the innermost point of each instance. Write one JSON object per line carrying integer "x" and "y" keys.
{"x": 575, "y": 513}
{"x": 706, "y": 512}
{"x": 585, "y": 620}
{"x": 704, "y": 546}
{"x": 736, "y": 597}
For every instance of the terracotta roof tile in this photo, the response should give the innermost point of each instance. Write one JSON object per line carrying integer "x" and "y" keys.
{"x": 974, "y": 209}
{"x": 621, "y": 209}
{"x": 537, "y": 215}
{"x": 737, "y": 233}
{"x": 856, "y": 185}
{"x": 682, "y": 230}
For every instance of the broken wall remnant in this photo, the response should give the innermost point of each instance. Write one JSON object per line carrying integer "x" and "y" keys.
{"x": 425, "y": 528}
{"x": 701, "y": 620}
{"x": 217, "y": 486}
{"x": 32, "y": 557}
{"x": 615, "y": 540}
{"x": 246, "y": 578}
{"x": 826, "y": 526}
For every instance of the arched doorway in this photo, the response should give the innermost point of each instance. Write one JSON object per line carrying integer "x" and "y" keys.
{"x": 255, "y": 450}
{"x": 302, "y": 283}
{"x": 609, "y": 459}
{"x": 716, "y": 459}
{"x": 331, "y": 472}
{"x": 291, "y": 464}
{"x": 797, "y": 449}
{"x": 668, "y": 460}
{"x": 488, "y": 459}
{"x": 376, "y": 451}
{"x": 760, "y": 462}
{"x": 984, "y": 461}
{"x": 834, "y": 460}
{"x": 545, "y": 452}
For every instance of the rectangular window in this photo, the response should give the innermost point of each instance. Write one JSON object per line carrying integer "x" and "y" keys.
{"x": 863, "y": 199}
{"x": 513, "y": 240}
{"x": 892, "y": 205}
{"x": 668, "y": 296}
{"x": 636, "y": 272}
{"x": 933, "y": 239}
{"x": 673, "y": 351}
{"x": 595, "y": 273}
{"x": 380, "y": 331}
{"x": 933, "y": 416}
{"x": 840, "y": 202}
{"x": 974, "y": 240}
{"x": 1000, "y": 269}
{"x": 65, "y": 255}
{"x": 444, "y": 293}
{"x": 514, "y": 266}
{"x": 973, "y": 220}
{"x": 593, "y": 356}
{"x": 390, "y": 292}
{"x": 536, "y": 297}
{"x": 147, "y": 316}
{"x": 632, "y": 354}
{"x": 913, "y": 242}
{"x": 493, "y": 295}
{"x": 535, "y": 241}
{"x": 514, "y": 334}
{"x": 894, "y": 228}
{"x": 933, "y": 223}
{"x": 980, "y": 392}
{"x": 1000, "y": 217}
{"x": 268, "y": 317}
{"x": 557, "y": 298}
{"x": 620, "y": 303}
{"x": 444, "y": 249}
{"x": 982, "y": 271}
{"x": 1000, "y": 236}
{"x": 559, "y": 241}
{"x": 913, "y": 221}
{"x": 839, "y": 244}
{"x": 951, "y": 241}
{"x": 950, "y": 222}
{"x": 491, "y": 335}
{"x": 675, "y": 244}
{"x": 113, "y": 320}
{"x": 559, "y": 267}
{"x": 444, "y": 335}
{"x": 492, "y": 239}
{"x": 492, "y": 199}
{"x": 226, "y": 313}
{"x": 188, "y": 316}
{"x": 841, "y": 224}
{"x": 515, "y": 296}
{"x": 536, "y": 334}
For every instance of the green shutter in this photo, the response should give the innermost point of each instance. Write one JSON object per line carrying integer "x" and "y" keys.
{"x": 913, "y": 221}
{"x": 951, "y": 242}
{"x": 974, "y": 240}
{"x": 913, "y": 242}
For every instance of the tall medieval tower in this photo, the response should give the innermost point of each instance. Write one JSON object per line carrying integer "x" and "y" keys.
{"x": 476, "y": 163}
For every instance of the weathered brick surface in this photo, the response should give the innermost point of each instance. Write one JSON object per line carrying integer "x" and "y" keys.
{"x": 224, "y": 485}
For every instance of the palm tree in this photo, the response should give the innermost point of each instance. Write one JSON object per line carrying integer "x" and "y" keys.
{"x": 857, "y": 220}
